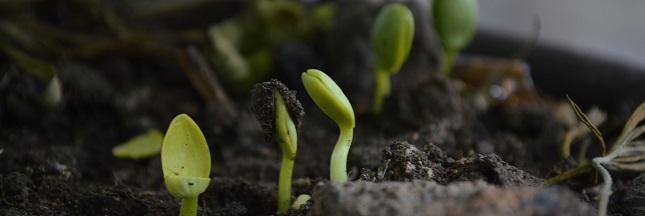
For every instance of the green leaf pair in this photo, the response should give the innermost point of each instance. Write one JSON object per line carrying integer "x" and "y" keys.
{"x": 333, "y": 102}
{"x": 392, "y": 36}
{"x": 455, "y": 24}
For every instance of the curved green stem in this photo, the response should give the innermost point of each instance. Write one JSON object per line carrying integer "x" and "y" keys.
{"x": 447, "y": 62}
{"x": 382, "y": 89}
{"x": 338, "y": 167}
{"x": 284, "y": 184}
{"x": 188, "y": 207}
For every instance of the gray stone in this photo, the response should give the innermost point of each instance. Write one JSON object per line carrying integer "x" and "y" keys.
{"x": 430, "y": 198}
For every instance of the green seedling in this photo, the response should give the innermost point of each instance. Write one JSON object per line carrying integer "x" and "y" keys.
{"x": 301, "y": 200}
{"x": 141, "y": 146}
{"x": 186, "y": 162}
{"x": 333, "y": 102}
{"x": 280, "y": 115}
{"x": 392, "y": 36}
{"x": 454, "y": 23}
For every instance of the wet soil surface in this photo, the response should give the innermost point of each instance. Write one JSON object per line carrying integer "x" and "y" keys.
{"x": 429, "y": 153}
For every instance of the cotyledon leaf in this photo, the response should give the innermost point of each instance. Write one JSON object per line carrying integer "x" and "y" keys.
{"x": 141, "y": 146}
{"x": 184, "y": 151}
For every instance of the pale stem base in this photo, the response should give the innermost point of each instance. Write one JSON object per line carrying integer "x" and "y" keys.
{"x": 338, "y": 167}
{"x": 284, "y": 185}
{"x": 447, "y": 62}
{"x": 382, "y": 88}
{"x": 188, "y": 207}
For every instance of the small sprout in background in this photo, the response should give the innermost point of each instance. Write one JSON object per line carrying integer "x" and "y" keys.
{"x": 392, "y": 36}
{"x": 45, "y": 71}
{"x": 186, "y": 162}
{"x": 236, "y": 69}
{"x": 301, "y": 200}
{"x": 333, "y": 102}
{"x": 141, "y": 146}
{"x": 241, "y": 45}
{"x": 455, "y": 24}
{"x": 280, "y": 115}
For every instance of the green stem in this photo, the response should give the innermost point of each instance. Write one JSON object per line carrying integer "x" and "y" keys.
{"x": 447, "y": 63}
{"x": 338, "y": 167}
{"x": 284, "y": 184}
{"x": 382, "y": 89}
{"x": 188, "y": 207}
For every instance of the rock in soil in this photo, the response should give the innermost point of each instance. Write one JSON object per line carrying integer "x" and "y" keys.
{"x": 431, "y": 198}
{"x": 404, "y": 162}
{"x": 633, "y": 199}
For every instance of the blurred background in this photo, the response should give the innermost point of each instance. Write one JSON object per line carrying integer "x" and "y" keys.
{"x": 612, "y": 29}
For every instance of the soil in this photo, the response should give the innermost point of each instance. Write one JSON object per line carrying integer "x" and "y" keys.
{"x": 429, "y": 153}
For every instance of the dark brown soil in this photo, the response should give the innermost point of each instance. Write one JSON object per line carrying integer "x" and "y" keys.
{"x": 58, "y": 160}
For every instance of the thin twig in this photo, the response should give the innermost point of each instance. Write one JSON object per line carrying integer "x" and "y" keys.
{"x": 201, "y": 76}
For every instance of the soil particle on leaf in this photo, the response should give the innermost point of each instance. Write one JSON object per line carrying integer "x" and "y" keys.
{"x": 263, "y": 105}
{"x": 430, "y": 198}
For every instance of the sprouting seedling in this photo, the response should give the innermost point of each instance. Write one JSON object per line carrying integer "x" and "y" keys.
{"x": 280, "y": 115}
{"x": 301, "y": 200}
{"x": 454, "y": 23}
{"x": 186, "y": 162}
{"x": 333, "y": 102}
{"x": 392, "y": 35}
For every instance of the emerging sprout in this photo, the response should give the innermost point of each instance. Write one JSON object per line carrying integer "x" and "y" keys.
{"x": 301, "y": 200}
{"x": 186, "y": 162}
{"x": 392, "y": 35}
{"x": 280, "y": 114}
{"x": 141, "y": 146}
{"x": 333, "y": 102}
{"x": 454, "y": 22}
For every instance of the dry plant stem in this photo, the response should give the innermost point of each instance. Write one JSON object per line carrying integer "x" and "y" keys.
{"x": 382, "y": 89}
{"x": 188, "y": 207}
{"x": 201, "y": 76}
{"x": 338, "y": 167}
{"x": 607, "y": 160}
{"x": 447, "y": 62}
{"x": 284, "y": 184}
{"x": 606, "y": 187}
{"x": 569, "y": 174}
{"x": 67, "y": 42}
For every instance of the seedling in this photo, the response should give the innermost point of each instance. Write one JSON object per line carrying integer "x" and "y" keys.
{"x": 301, "y": 200}
{"x": 392, "y": 35}
{"x": 186, "y": 162}
{"x": 141, "y": 146}
{"x": 454, "y": 23}
{"x": 333, "y": 102}
{"x": 627, "y": 154}
{"x": 280, "y": 115}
